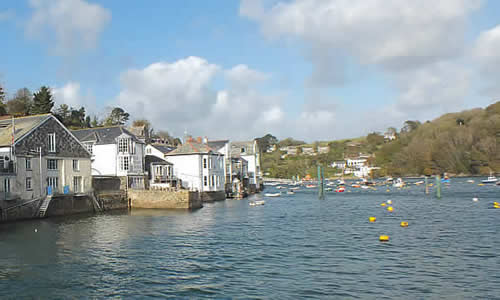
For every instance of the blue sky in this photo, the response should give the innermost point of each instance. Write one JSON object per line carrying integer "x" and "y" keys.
{"x": 312, "y": 69}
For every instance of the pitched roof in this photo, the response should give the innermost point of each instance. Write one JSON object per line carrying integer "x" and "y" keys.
{"x": 163, "y": 148}
{"x": 236, "y": 148}
{"x": 155, "y": 159}
{"x": 191, "y": 147}
{"x": 103, "y": 135}
{"x": 217, "y": 145}
{"x": 22, "y": 126}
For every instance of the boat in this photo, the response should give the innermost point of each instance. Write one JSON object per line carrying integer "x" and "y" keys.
{"x": 340, "y": 189}
{"x": 364, "y": 187}
{"x": 491, "y": 179}
{"x": 257, "y": 202}
{"x": 329, "y": 189}
{"x": 419, "y": 182}
{"x": 290, "y": 193}
{"x": 280, "y": 187}
{"x": 341, "y": 182}
{"x": 272, "y": 194}
{"x": 310, "y": 186}
{"x": 470, "y": 181}
{"x": 399, "y": 183}
{"x": 295, "y": 188}
{"x": 355, "y": 185}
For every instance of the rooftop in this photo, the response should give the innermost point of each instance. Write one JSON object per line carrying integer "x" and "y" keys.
{"x": 191, "y": 147}
{"x": 22, "y": 126}
{"x": 163, "y": 148}
{"x": 102, "y": 135}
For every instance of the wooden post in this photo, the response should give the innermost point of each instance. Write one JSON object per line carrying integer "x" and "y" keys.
{"x": 438, "y": 186}
{"x": 426, "y": 186}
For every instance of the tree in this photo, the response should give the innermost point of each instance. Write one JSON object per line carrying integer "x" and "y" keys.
{"x": 21, "y": 104}
{"x": 460, "y": 122}
{"x": 95, "y": 122}
{"x": 63, "y": 114}
{"x": 42, "y": 101}
{"x": 409, "y": 126}
{"x": 87, "y": 122}
{"x": 266, "y": 141}
{"x": 3, "y": 108}
{"x": 117, "y": 117}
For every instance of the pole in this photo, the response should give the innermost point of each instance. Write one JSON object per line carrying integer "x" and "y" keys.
{"x": 40, "y": 163}
{"x": 321, "y": 194}
{"x": 438, "y": 186}
{"x": 426, "y": 186}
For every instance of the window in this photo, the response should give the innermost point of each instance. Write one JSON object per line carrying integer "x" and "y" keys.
{"x": 205, "y": 180}
{"x": 28, "y": 184}
{"x": 217, "y": 180}
{"x": 53, "y": 182}
{"x": 52, "y": 142}
{"x": 148, "y": 151}
{"x": 51, "y": 164}
{"x": 242, "y": 150}
{"x": 123, "y": 145}
{"x": 89, "y": 147}
{"x": 77, "y": 184}
{"x": 204, "y": 163}
{"x": 124, "y": 163}
{"x": 28, "y": 163}
{"x": 6, "y": 185}
{"x": 76, "y": 165}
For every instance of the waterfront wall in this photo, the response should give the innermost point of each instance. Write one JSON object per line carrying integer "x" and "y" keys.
{"x": 69, "y": 204}
{"x": 22, "y": 211}
{"x": 181, "y": 199}
{"x": 212, "y": 196}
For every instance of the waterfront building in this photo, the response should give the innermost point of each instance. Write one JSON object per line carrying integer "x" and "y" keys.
{"x": 249, "y": 151}
{"x": 198, "y": 166}
{"x": 115, "y": 152}
{"x": 40, "y": 156}
{"x": 158, "y": 149}
{"x": 160, "y": 172}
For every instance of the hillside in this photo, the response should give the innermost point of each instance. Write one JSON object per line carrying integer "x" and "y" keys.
{"x": 466, "y": 143}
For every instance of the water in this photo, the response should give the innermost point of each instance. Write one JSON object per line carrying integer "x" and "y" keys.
{"x": 295, "y": 246}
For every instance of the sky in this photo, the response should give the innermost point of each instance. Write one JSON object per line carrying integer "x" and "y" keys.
{"x": 308, "y": 69}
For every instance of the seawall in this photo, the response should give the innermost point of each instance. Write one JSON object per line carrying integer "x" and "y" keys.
{"x": 164, "y": 199}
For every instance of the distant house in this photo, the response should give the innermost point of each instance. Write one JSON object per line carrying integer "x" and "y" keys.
{"x": 223, "y": 147}
{"x": 308, "y": 150}
{"x": 40, "y": 156}
{"x": 323, "y": 149}
{"x": 389, "y": 136}
{"x": 198, "y": 166}
{"x": 291, "y": 150}
{"x": 115, "y": 152}
{"x": 271, "y": 149}
{"x": 158, "y": 150}
{"x": 339, "y": 164}
{"x": 249, "y": 151}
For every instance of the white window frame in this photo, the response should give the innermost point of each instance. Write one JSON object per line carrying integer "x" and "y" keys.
{"x": 205, "y": 181}
{"x": 53, "y": 166}
{"x": 123, "y": 145}
{"x": 77, "y": 184}
{"x": 53, "y": 181}
{"x": 89, "y": 147}
{"x": 204, "y": 163}
{"x": 28, "y": 163}
{"x": 52, "y": 142}
{"x": 124, "y": 163}
{"x": 6, "y": 185}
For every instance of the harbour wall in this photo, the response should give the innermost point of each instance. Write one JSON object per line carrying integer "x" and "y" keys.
{"x": 181, "y": 199}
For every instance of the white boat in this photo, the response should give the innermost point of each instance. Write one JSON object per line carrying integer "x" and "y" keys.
{"x": 272, "y": 194}
{"x": 491, "y": 179}
{"x": 419, "y": 182}
{"x": 399, "y": 183}
{"x": 341, "y": 182}
{"x": 290, "y": 193}
{"x": 295, "y": 188}
{"x": 280, "y": 187}
{"x": 271, "y": 183}
{"x": 470, "y": 181}
{"x": 257, "y": 202}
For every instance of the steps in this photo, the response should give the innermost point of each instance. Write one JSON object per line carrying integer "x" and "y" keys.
{"x": 44, "y": 206}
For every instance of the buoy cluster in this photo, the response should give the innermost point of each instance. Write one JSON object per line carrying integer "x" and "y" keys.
{"x": 496, "y": 204}
{"x": 388, "y": 203}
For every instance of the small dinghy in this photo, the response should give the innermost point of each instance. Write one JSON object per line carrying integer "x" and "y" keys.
{"x": 257, "y": 202}
{"x": 272, "y": 194}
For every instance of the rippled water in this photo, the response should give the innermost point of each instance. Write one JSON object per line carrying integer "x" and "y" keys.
{"x": 292, "y": 247}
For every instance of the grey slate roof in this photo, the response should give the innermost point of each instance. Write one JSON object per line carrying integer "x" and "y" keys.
{"x": 163, "y": 148}
{"x": 236, "y": 148}
{"x": 103, "y": 135}
{"x": 155, "y": 159}
{"x": 217, "y": 145}
{"x": 22, "y": 126}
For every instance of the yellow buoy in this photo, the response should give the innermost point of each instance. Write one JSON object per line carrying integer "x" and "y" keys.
{"x": 384, "y": 238}
{"x": 481, "y": 184}
{"x": 383, "y": 204}
{"x": 389, "y": 208}
{"x": 404, "y": 224}
{"x": 372, "y": 219}
{"x": 388, "y": 190}
{"x": 496, "y": 206}
{"x": 496, "y": 203}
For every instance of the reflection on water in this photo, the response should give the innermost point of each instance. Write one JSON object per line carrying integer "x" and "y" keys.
{"x": 294, "y": 246}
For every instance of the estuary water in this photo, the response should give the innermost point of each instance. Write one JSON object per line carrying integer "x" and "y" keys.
{"x": 293, "y": 247}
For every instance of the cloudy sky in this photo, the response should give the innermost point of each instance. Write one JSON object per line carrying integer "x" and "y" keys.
{"x": 311, "y": 69}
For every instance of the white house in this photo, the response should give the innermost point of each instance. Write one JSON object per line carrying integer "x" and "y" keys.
{"x": 115, "y": 152}
{"x": 223, "y": 147}
{"x": 198, "y": 166}
{"x": 250, "y": 152}
{"x": 158, "y": 150}
{"x": 40, "y": 156}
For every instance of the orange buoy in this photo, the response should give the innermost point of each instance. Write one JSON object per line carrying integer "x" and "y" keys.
{"x": 384, "y": 238}
{"x": 404, "y": 224}
{"x": 372, "y": 219}
{"x": 389, "y": 208}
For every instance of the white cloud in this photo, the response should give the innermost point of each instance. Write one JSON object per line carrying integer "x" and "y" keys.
{"x": 487, "y": 55}
{"x": 72, "y": 95}
{"x": 70, "y": 25}
{"x": 179, "y": 95}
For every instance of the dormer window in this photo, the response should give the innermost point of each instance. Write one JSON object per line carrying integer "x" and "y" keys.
{"x": 52, "y": 142}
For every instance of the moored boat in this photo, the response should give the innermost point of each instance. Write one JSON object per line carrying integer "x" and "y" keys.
{"x": 272, "y": 194}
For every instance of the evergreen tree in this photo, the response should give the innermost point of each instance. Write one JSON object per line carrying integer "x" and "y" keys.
{"x": 117, "y": 117}
{"x": 95, "y": 122}
{"x": 21, "y": 104}
{"x": 42, "y": 101}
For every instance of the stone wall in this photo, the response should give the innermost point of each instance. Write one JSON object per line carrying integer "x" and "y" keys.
{"x": 106, "y": 183}
{"x": 20, "y": 212}
{"x": 212, "y": 196}
{"x": 164, "y": 199}
{"x": 112, "y": 200}
{"x": 68, "y": 205}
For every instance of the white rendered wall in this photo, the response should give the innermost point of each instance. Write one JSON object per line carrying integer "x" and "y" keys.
{"x": 105, "y": 161}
